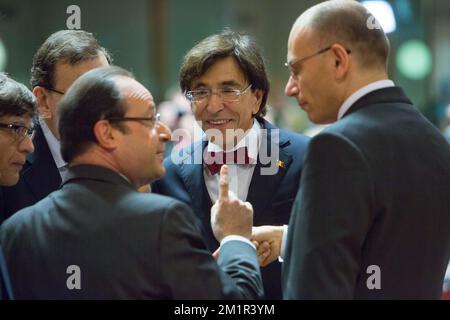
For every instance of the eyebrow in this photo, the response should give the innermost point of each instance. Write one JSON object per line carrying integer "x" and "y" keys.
{"x": 19, "y": 122}
{"x": 291, "y": 63}
{"x": 223, "y": 83}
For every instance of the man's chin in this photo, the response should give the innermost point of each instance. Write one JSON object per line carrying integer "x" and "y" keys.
{"x": 9, "y": 180}
{"x": 157, "y": 174}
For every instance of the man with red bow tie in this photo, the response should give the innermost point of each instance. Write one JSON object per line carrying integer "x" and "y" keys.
{"x": 225, "y": 80}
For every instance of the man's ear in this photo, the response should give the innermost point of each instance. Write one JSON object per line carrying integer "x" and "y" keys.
{"x": 341, "y": 61}
{"x": 106, "y": 135}
{"x": 42, "y": 99}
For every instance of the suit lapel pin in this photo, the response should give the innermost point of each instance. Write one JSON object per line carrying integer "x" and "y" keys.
{"x": 280, "y": 164}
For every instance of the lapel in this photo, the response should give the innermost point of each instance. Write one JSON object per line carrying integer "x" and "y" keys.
{"x": 264, "y": 186}
{"x": 41, "y": 174}
{"x": 191, "y": 171}
{"x": 384, "y": 95}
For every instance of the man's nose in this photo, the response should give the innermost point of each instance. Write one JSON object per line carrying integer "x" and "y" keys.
{"x": 215, "y": 103}
{"x": 291, "y": 88}
{"x": 164, "y": 132}
{"x": 26, "y": 145}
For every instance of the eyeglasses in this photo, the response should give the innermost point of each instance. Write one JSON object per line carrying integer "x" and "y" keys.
{"x": 54, "y": 90}
{"x": 291, "y": 64}
{"x": 148, "y": 121}
{"x": 19, "y": 132}
{"x": 201, "y": 96}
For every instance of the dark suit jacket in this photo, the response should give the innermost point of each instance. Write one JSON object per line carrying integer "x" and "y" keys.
{"x": 375, "y": 193}
{"x": 38, "y": 178}
{"x": 5, "y": 284}
{"x": 272, "y": 196}
{"x": 127, "y": 245}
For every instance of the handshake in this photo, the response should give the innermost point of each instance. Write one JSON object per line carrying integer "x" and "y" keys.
{"x": 231, "y": 216}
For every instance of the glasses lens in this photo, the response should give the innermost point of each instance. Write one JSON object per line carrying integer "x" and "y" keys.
{"x": 230, "y": 95}
{"x": 20, "y": 132}
{"x": 200, "y": 95}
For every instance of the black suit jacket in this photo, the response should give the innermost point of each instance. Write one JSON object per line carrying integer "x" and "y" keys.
{"x": 38, "y": 178}
{"x": 375, "y": 194}
{"x": 272, "y": 196}
{"x": 126, "y": 244}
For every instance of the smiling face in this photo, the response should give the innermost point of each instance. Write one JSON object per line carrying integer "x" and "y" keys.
{"x": 13, "y": 152}
{"x": 225, "y": 123}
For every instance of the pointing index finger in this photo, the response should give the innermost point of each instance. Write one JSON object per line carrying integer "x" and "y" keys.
{"x": 223, "y": 183}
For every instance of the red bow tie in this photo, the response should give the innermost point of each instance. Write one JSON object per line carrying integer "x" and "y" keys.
{"x": 215, "y": 160}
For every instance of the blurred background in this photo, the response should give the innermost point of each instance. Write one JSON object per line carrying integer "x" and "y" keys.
{"x": 150, "y": 37}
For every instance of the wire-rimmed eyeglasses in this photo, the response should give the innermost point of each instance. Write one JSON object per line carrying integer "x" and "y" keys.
{"x": 148, "y": 121}
{"x": 291, "y": 64}
{"x": 19, "y": 131}
{"x": 201, "y": 96}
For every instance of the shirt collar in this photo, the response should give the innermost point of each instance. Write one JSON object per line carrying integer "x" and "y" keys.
{"x": 362, "y": 92}
{"x": 251, "y": 140}
{"x": 53, "y": 144}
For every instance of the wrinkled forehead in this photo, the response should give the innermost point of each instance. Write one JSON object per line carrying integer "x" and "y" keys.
{"x": 132, "y": 90}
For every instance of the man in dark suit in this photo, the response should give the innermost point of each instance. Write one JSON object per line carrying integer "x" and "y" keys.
{"x": 60, "y": 60}
{"x": 17, "y": 108}
{"x": 99, "y": 238}
{"x": 224, "y": 77}
{"x": 371, "y": 220}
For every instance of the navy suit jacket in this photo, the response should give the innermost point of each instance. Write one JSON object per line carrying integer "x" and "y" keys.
{"x": 38, "y": 178}
{"x": 372, "y": 218}
{"x": 271, "y": 196}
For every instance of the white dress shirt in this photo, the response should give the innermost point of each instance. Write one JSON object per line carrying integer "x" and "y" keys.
{"x": 55, "y": 149}
{"x": 381, "y": 84}
{"x": 240, "y": 175}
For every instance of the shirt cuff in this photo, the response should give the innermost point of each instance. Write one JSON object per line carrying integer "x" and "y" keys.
{"x": 237, "y": 238}
{"x": 283, "y": 243}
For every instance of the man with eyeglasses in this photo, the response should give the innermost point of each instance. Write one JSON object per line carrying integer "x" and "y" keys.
{"x": 224, "y": 78}
{"x": 60, "y": 60}
{"x": 17, "y": 108}
{"x": 98, "y": 238}
{"x": 372, "y": 219}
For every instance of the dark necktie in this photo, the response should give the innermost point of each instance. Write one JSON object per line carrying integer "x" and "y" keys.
{"x": 215, "y": 160}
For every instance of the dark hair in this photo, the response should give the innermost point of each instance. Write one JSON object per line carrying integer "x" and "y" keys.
{"x": 92, "y": 97}
{"x": 15, "y": 98}
{"x": 66, "y": 46}
{"x": 226, "y": 44}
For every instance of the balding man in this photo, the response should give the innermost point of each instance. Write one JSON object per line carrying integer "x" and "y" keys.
{"x": 372, "y": 218}
{"x": 98, "y": 238}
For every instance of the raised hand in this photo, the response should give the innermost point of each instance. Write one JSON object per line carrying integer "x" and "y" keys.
{"x": 229, "y": 215}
